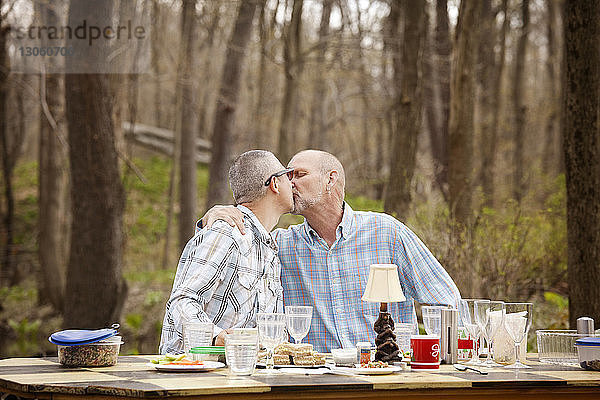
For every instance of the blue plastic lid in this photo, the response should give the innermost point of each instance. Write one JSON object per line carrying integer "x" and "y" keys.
{"x": 588, "y": 341}
{"x": 75, "y": 337}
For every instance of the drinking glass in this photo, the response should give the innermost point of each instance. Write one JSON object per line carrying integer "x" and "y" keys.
{"x": 241, "y": 350}
{"x": 432, "y": 319}
{"x": 271, "y": 328}
{"x": 489, "y": 316}
{"x": 298, "y": 321}
{"x": 469, "y": 320}
{"x": 197, "y": 334}
{"x": 517, "y": 322}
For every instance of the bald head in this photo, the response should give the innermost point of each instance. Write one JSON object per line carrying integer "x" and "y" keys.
{"x": 326, "y": 162}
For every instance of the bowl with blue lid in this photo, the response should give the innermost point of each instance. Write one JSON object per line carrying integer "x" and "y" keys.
{"x": 87, "y": 348}
{"x": 588, "y": 351}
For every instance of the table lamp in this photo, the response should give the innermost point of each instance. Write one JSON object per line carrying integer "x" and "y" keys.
{"x": 383, "y": 287}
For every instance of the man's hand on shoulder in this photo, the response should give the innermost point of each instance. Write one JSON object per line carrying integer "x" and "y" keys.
{"x": 229, "y": 214}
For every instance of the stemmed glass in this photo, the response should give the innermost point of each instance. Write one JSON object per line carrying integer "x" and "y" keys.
{"x": 489, "y": 316}
{"x": 517, "y": 323}
{"x": 468, "y": 316}
{"x": 271, "y": 328}
{"x": 432, "y": 319}
{"x": 298, "y": 321}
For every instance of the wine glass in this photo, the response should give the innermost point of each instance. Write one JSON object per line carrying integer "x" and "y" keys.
{"x": 517, "y": 322}
{"x": 489, "y": 316}
{"x": 271, "y": 328}
{"x": 298, "y": 321}
{"x": 432, "y": 319}
{"x": 469, "y": 320}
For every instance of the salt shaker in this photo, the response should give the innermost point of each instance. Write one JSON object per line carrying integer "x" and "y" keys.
{"x": 585, "y": 326}
{"x": 449, "y": 336}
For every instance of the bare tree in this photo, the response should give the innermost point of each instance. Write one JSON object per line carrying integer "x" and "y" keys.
{"x": 188, "y": 122}
{"x": 491, "y": 100}
{"x": 264, "y": 33}
{"x": 53, "y": 238}
{"x": 404, "y": 140}
{"x": 7, "y": 264}
{"x": 441, "y": 65}
{"x": 582, "y": 156}
{"x": 549, "y": 156}
{"x": 293, "y": 69}
{"x": 520, "y": 107}
{"x": 317, "y": 137}
{"x": 155, "y": 58}
{"x": 95, "y": 289}
{"x": 218, "y": 191}
{"x": 460, "y": 151}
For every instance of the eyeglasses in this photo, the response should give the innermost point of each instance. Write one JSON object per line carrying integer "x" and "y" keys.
{"x": 288, "y": 171}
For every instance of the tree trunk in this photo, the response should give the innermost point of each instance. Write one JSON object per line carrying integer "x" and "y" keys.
{"x": 95, "y": 289}
{"x": 260, "y": 134}
{"x": 317, "y": 138}
{"x": 486, "y": 70}
{"x": 218, "y": 191}
{"x": 188, "y": 123}
{"x": 155, "y": 62}
{"x": 443, "y": 49}
{"x": 391, "y": 66}
{"x": 549, "y": 155}
{"x": 582, "y": 156}
{"x": 404, "y": 141}
{"x": 7, "y": 265}
{"x": 207, "y": 68}
{"x": 489, "y": 148}
{"x": 292, "y": 68}
{"x": 53, "y": 226}
{"x": 520, "y": 107}
{"x": 460, "y": 151}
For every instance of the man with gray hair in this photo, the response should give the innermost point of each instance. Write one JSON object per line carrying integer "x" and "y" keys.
{"x": 225, "y": 277}
{"x": 325, "y": 260}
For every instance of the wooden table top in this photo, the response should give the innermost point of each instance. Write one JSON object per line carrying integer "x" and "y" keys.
{"x": 131, "y": 377}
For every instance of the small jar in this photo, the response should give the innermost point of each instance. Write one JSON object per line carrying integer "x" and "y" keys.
{"x": 363, "y": 352}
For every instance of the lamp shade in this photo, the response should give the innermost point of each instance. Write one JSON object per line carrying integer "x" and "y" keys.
{"x": 383, "y": 285}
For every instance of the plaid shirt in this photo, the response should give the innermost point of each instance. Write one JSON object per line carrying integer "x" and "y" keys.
{"x": 333, "y": 280}
{"x": 223, "y": 277}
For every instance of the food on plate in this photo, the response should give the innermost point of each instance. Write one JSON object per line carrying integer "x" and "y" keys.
{"x": 296, "y": 349}
{"x": 300, "y": 354}
{"x": 281, "y": 359}
{"x": 185, "y": 362}
{"x": 175, "y": 359}
{"x": 374, "y": 364}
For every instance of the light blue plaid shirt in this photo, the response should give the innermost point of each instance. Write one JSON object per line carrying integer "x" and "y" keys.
{"x": 333, "y": 280}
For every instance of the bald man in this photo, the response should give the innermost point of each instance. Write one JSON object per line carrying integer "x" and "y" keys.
{"x": 325, "y": 260}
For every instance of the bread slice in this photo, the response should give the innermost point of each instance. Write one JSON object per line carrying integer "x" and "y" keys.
{"x": 301, "y": 349}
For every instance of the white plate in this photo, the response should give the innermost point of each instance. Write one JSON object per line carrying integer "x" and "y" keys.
{"x": 377, "y": 371}
{"x": 363, "y": 371}
{"x": 207, "y": 366}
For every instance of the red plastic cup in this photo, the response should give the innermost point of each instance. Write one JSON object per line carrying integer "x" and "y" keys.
{"x": 425, "y": 351}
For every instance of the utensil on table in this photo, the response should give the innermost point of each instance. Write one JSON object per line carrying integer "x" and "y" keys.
{"x": 462, "y": 367}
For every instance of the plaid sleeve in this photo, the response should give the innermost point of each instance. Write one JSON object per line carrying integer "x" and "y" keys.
{"x": 423, "y": 276}
{"x": 202, "y": 267}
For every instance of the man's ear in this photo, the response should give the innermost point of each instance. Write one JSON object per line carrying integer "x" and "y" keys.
{"x": 333, "y": 178}
{"x": 274, "y": 185}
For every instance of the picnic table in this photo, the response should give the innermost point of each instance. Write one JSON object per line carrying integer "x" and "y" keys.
{"x": 133, "y": 378}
